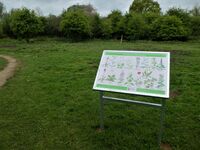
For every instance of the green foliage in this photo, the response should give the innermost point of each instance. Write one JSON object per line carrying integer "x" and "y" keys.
{"x": 1, "y": 29}
{"x": 52, "y": 25}
{"x": 169, "y": 28}
{"x": 107, "y": 28}
{"x": 75, "y": 25}
{"x": 195, "y": 25}
{"x": 149, "y": 19}
{"x": 42, "y": 24}
{"x": 181, "y": 14}
{"x": 6, "y": 25}
{"x": 1, "y": 10}
{"x": 87, "y": 9}
{"x": 135, "y": 26}
{"x": 116, "y": 19}
{"x": 24, "y": 23}
{"x": 96, "y": 26}
{"x": 145, "y": 6}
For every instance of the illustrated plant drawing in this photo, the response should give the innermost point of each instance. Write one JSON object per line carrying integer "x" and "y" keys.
{"x": 111, "y": 78}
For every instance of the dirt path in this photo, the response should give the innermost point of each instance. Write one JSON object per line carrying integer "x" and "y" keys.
{"x": 9, "y": 70}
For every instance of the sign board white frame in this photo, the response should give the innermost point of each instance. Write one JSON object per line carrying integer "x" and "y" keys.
{"x": 134, "y": 55}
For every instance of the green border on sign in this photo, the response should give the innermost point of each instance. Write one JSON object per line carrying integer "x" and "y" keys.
{"x": 140, "y": 90}
{"x": 150, "y": 91}
{"x": 136, "y": 54}
{"x": 106, "y": 86}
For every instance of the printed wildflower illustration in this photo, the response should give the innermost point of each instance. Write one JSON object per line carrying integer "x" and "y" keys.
{"x": 102, "y": 78}
{"x": 153, "y": 63}
{"x": 150, "y": 82}
{"x": 161, "y": 81}
{"x": 145, "y": 63}
{"x": 120, "y": 66}
{"x": 121, "y": 77}
{"x": 137, "y": 62}
{"x": 160, "y": 66}
{"x": 130, "y": 80}
{"x": 147, "y": 73}
{"x": 138, "y": 82}
{"x": 111, "y": 78}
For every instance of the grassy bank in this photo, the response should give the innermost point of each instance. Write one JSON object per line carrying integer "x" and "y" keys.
{"x": 50, "y": 104}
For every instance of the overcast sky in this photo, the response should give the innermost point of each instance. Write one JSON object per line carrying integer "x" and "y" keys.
{"x": 102, "y": 6}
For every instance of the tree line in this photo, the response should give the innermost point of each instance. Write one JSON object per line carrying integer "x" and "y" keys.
{"x": 143, "y": 21}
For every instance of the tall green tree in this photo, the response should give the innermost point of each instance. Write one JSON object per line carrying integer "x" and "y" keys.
{"x": 87, "y": 9}
{"x": 96, "y": 26}
{"x": 75, "y": 25}
{"x": 24, "y": 23}
{"x": 145, "y": 6}
{"x": 135, "y": 26}
{"x": 1, "y": 10}
{"x": 116, "y": 19}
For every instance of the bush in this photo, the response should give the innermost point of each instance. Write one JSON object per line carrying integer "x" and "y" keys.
{"x": 116, "y": 19}
{"x": 1, "y": 30}
{"x": 135, "y": 27}
{"x": 75, "y": 25}
{"x": 96, "y": 26}
{"x": 167, "y": 28}
{"x": 107, "y": 28}
{"x": 195, "y": 25}
{"x": 6, "y": 19}
{"x": 24, "y": 23}
{"x": 182, "y": 14}
{"x": 52, "y": 25}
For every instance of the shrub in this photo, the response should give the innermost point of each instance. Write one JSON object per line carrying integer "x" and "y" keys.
{"x": 107, "y": 28}
{"x": 75, "y": 25}
{"x": 96, "y": 26}
{"x": 135, "y": 27}
{"x": 167, "y": 28}
{"x": 195, "y": 25}
{"x": 24, "y": 23}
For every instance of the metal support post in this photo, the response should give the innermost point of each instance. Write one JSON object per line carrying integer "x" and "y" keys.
{"x": 162, "y": 116}
{"x": 101, "y": 111}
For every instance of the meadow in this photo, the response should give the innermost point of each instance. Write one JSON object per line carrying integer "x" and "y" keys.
{"x": 50, "y": 104}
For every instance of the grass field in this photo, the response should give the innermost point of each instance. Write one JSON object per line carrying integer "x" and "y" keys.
{"x": 50, "y": 104}
{"x": 2, "y": 63}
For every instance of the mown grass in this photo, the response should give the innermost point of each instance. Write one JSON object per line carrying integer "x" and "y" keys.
{"x": 50, "y": 104}
{"x": 2, "y": 63}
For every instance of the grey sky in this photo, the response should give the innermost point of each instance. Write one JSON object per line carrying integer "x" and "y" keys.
{"x": 102, "y": 6}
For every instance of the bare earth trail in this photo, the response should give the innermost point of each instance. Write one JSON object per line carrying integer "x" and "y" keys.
{"x": 9, "y": 70}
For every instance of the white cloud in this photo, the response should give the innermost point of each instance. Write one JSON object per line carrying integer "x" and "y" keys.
{"x": 104, "y": 7}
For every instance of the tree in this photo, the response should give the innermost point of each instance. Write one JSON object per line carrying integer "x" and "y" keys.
{"x": 181, "y": 14}
{"x": 87, "y": 9}
{"x": 1, "y": 10}
{"x": 52, "y": 25}
{"x": 96, "y": 26}
{"x": 167, "y": 28}
{"x": 6, "y": 29}
{"x": 195, "y": 11}
{"x": 195, "y": 25}
{"x": 145, "y": 6}
{"x": 24, "y": 23}
{"x": 107, "y": 28}
{"x": 115, "y": 18}
{"x": 75, "y": 25}
{"x": 135, "y": 26}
